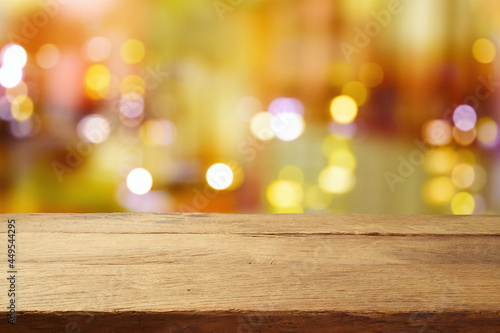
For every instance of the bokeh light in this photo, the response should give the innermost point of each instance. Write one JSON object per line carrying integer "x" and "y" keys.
{"x": 371, "y": 74}
{"x": 249, "y": 106}
{"x": 357, "y": 91}
{"x": 462, "y": 203}
{"x": 284, "y": 193}
{"x": 132, "y": 51}
{"x": 97, "y": 81}
{"x": 438, "y": 190}
{"x": 132, "y": 84}
{"x": 440, "y": 160}
{"x": 98, "y": 48}
{"x": 139, "y": 181}
{"x": 464, "y": 117}
{"x": 23, "y": 129}
{"x": 131, "y": 105}
{"x": 287, "y": 126}
{"x": 316, "y": 198}
{"x": 333, "y": 143}
{"x": 10, "y": 76}
{"x": 464, "y": 138}
{"x": 260, "y": 126}
{"x": 463, "y": 175}
{"x": 342, "y": 158}
{"x": 343, "y": 109}
{"x": 337, "y": 180}
{"x": 484, "y": 51}
{"x": 94, "y": 128}
{"x": 487, "y": 131}
{"x": 156, "y": 132}
{"x": 219, "y": 176}
{"x": 292, "y": 173}
{"x": 299, "y": 124}
{"x": 341, "y": 73}
{"x": 22, "y": 108}
{"x": 437, "y": 132}
{"x": 14, "y": 56}
{"x": 342, "y": 131}
{"x": 286, "y": 105}
{"x": 47, "y": 56}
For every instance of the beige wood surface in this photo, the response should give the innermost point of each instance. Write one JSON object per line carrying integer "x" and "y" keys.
{"x": 331, "y": 266}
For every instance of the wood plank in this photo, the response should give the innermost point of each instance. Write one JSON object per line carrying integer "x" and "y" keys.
{"x": 126, "y": 272}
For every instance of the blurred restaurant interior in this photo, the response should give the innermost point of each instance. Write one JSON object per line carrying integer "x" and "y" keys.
{"x": 250, "y": 106}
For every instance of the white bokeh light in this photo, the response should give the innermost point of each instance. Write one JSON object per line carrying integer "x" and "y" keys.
{"x": 94, "y": 128}
{"x": 219, "y": 176}
{"x": 287, "y": 126}
{"x": 14, "y": 56}
{"x": 10, "y": 76}
{"x": 139, "y": 181}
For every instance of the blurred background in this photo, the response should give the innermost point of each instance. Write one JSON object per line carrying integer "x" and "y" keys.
{"x": 250, "y": 106}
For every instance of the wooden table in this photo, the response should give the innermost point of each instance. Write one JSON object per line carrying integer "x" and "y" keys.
{"x": 146, "y": 272}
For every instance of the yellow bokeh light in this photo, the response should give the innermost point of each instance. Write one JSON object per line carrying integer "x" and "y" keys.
{"x": 343, "y": 158}
{"x": 371, "y": 74}
{"x": 151, "y": 132}
{"x": 438, "y": 190}
{"x": 22, "y": 108}
{"x": 132, "y": 84}
{"x": 284, "y": 193}
{"x": 157, "y": 132}
{"x": 462, "y": 203}
{"x": 292, "y": 173}
{"x": 132, "y": 51}
{"x": 466, "y": 156}
{"x": 260, "y": 126}
{"x": 463, "y": 175}
{"x": 484, "y": 51}
{"x": 334, "y": 179}
{"x": 440, "y": 160}
{"x": 316, "y": 198}
{"x": 341, "y": 73}
{"x": 333, "y": 143}
{"x": 139, "y": 181}
{"x": 97, "y": 81}
{"x": 487, "y": 130}
{"x": 219, "y": 176}
{"x": 356, "y": 90}
{"x": 343, "y": 109}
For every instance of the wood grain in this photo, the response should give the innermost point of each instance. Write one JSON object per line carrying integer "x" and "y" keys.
{"x": 131, "y": 272}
